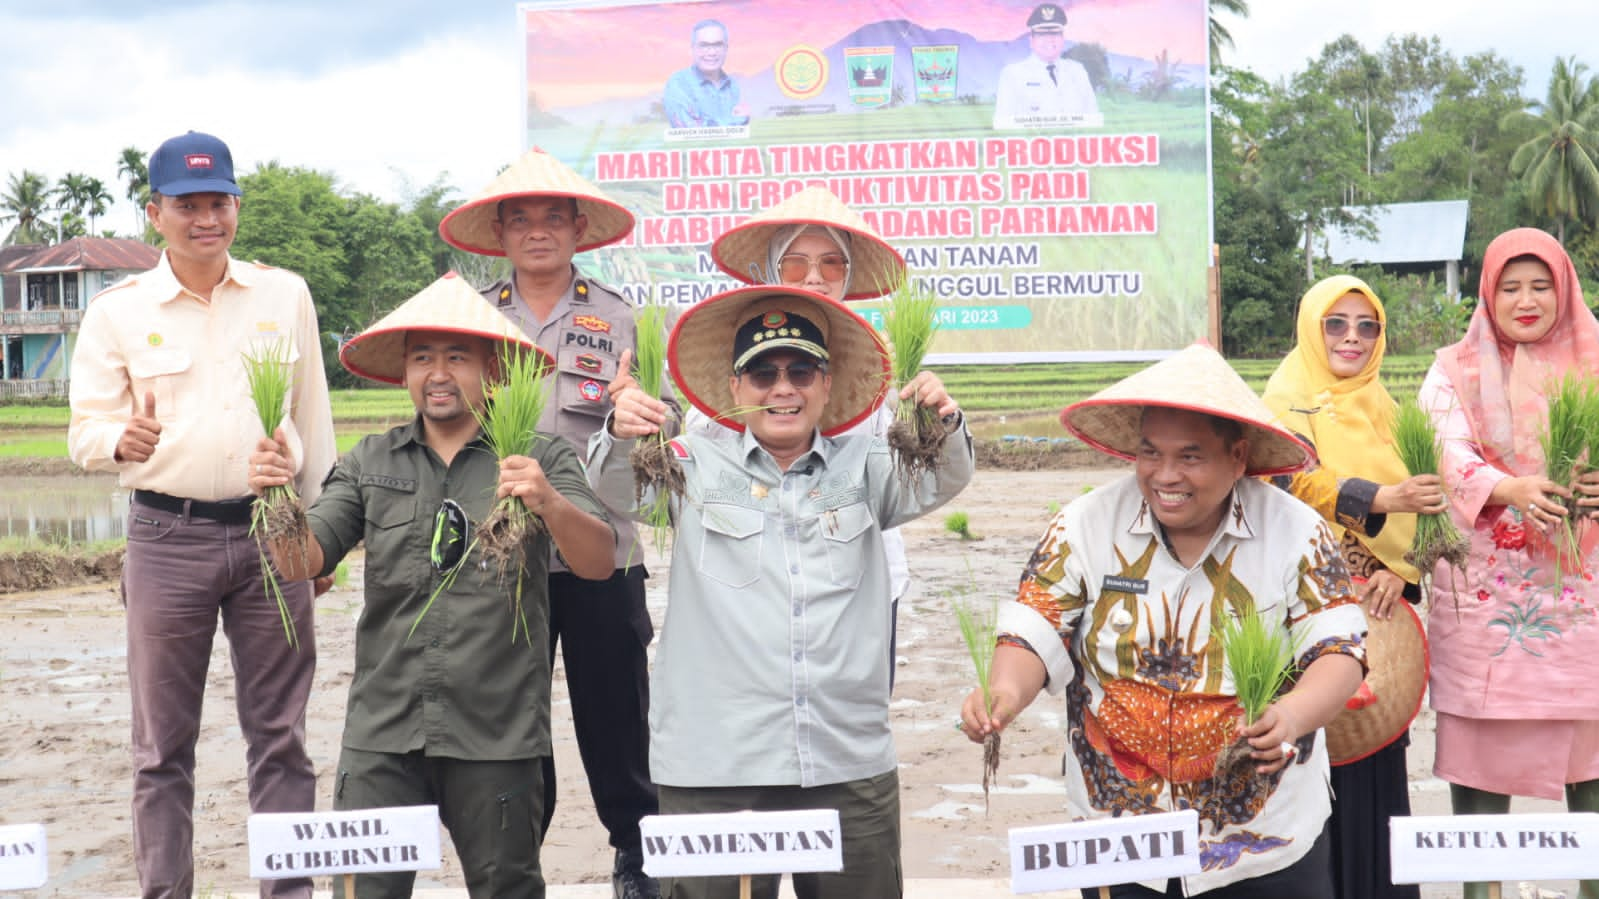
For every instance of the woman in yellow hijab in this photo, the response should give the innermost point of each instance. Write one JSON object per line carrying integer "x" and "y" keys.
{"x": 1329, "y": 392}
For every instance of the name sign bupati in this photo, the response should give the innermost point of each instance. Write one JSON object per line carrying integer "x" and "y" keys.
{"x": 742, "y": 843}
{"x": 306, "y": 844}
{"x": 1466, "y": 848}
{"x": 1103, "y": 852}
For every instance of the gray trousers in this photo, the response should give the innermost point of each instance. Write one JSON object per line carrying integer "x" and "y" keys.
{"x": 179, "y": 575}
{"x": 492, "y": 810}
{"x": 868, "y": 815}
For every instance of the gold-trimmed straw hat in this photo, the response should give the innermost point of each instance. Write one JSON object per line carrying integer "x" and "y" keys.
{"x": 1390, "y": 697}
{"x": 700, "y": 351}
{"x": 470, "y": 226}
{"x": 745, "y": 250}
{"x": 448, "y": 304}
{"x": 1196, "y": 379}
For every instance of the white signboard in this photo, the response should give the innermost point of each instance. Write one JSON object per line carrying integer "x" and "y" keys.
{"x": 742, "y": 843}
{"x": 24, "y": 860}
{"x": 1104, "y": 852}
{"x": 1467, "y": 848}
{"x": 304, "y": 844}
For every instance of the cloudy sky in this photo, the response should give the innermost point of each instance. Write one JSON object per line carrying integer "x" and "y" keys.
{"x": 388, "y": 96}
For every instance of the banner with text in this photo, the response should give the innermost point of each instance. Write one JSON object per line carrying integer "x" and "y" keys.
{"x": 1050, "y": 185}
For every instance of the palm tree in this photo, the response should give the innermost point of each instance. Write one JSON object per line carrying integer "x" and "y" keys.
{"x": 131, "y": 166}
{"x": 25, "y": 200}
{"x": 96, "y": 200}
{"x": 1220, "y": 37}
{"x": 1557, "y": 164}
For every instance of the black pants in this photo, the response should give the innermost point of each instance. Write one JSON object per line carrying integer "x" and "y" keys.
{"x": 1308, "y": 878}
{"x": 603, "y": 628}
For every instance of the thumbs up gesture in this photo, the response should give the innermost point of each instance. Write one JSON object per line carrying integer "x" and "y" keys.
{"x": 143, "y": 432}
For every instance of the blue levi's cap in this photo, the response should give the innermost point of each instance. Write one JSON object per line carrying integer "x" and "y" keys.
{"x": 192, "y": 163}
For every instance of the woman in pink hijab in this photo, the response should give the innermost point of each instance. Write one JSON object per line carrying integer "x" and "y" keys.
{"x": 1515, "y": 635}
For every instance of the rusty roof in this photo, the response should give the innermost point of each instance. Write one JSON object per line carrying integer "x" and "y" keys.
{"x": 93, "y": 254}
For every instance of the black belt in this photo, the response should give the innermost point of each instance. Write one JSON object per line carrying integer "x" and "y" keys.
{"x": 227, "y": 511}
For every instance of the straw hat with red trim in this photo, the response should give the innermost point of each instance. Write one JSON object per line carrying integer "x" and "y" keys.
{"x": 1390, "y": 696}
{"x": 448, "y": 304}
{"x": 1197, "y": 379}
{"x": 745, "y": 251}
{"x": 470, "y": 226}
{"x": 701, "y": 348}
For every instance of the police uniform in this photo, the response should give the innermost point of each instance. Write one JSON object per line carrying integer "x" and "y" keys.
{"x": 603, "y": 626}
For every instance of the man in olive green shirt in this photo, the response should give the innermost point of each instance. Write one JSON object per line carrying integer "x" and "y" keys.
{"x": 451, "y": 707}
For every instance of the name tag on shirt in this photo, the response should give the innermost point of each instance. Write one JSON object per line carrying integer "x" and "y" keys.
{"x": 1114, "y": 584}
{"x": 406, "y": 485}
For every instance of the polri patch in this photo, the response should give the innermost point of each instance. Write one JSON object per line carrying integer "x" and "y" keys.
{"x": 1114, "y": 584}
{"x": 590, "y": 363}
{"x": 592, "y": 390}
{"x": 592, "y": 323}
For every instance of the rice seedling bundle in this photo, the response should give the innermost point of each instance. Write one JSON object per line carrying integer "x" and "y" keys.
{"x": 1568, "y": 439}
{"x": 653, "y": 463}
{"x": 910, "y": 321}
{"x": 1420, "y": 451}
{"x": 978, "y": 622}
{"x": 509, "y": 422}
{"x": 1260, "y": 655}
{"x": 276, "y": 515}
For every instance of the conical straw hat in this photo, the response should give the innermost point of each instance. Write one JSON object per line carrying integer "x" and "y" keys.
{"x": 700, "y": 352}
{"x": 448, "y": 304}
{"x": 1396, "y": 680}
{"x": 1197, "y": 379}
{"x": 743, "y": 251}
{"x": 470, "y": 225}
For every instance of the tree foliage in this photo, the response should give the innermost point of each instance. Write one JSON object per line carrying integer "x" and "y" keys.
{"x": 1558, "y": 163}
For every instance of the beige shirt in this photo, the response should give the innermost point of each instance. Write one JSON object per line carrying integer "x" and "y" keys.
{"x": 148, "y": 334}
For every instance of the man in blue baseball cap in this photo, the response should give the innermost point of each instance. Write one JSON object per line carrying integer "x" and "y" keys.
{"x": 159, "y": 396}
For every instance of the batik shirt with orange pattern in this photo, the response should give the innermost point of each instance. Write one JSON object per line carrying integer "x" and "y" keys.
{"x": 1132, "y": 637}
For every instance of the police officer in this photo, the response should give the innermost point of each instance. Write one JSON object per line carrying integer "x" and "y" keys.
{"x": 538, "y": 213}
{"x": 1045, "y": 89}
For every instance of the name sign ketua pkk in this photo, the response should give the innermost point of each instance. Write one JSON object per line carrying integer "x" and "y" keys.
{"x": 24, "y": 859}
{"x": 742, "y": 843}
{"x": 1467, "y": 848}
{"x": 305, "y": 844}
{"x": 1104, "y": 852}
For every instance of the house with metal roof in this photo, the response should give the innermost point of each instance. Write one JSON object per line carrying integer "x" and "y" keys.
{"x": 53, "y": 286}
{"x": 1409, "y": 236}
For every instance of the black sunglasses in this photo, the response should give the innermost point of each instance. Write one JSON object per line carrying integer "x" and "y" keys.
{"x": 450, "y": 526}
{"x": 800, "y": 374}
{"x": 1365, "y": 329}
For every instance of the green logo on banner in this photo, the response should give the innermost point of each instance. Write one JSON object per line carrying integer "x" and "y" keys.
{"x": 935, "y": 73}
{"x": 871, "y": 75}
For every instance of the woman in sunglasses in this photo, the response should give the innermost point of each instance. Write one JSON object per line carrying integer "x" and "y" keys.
{"x": 1329, "y": 390}
{"x": 1514, "y": 641}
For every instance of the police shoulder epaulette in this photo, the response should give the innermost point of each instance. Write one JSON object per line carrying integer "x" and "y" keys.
{"x": 503, "y": 296}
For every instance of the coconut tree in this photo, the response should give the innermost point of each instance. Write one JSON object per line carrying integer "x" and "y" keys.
{"x": 1558, "y": 164}
{"x": 26, "y": 199}
{"x": 1220, "y": 37}
{"x": 132, "y": 168}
